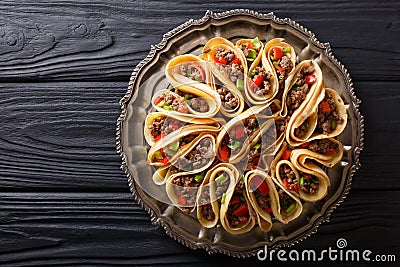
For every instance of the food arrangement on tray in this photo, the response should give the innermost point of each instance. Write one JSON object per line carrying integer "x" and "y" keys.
{"x": 244, "y": 133}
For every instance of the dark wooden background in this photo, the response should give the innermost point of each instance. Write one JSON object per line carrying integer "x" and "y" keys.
{"x": 65, "y": 65}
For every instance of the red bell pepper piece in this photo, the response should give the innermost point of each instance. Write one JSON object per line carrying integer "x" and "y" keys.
{"x": 224, "y": 153}
{"x": 235, "y": 61}
{"x": 268, "y": 209}
{"x": 330, "y": 152}
{"x": 250, "y": 46}
{"x": 183, "y": 109}
{"x": 220, "y": 60}
{"x": 158, "y": 137}
{"x": 206, "y": 206}
{"x": 242, "y": 210}
{"x": 163, "y": 160}
{"x": 235, "y": 200}
{"x": 310, "y": 79}
{"x": 181, "y": 200}
{"x": 305, "y": 144}
{"x": 278, "y": 54}
{"x": 325, "y": 107}
{"x": 286, "y": 154}
{"x": 158, "y": 100}
{"x": 295, "y": 188}
{"x": 258, "y": 81}
{"x": 256, "y": 161}
{"x": 280, "y": 68}
{"x": 243, "y": 220}
{"x": 174, "y": 125}
{"x": 162, "y": 153}
{"x": 286, "y": 183}
{"x": 201, "y": 70}
{"x": 258, "y": 183}
{"x": 239, "y": 131}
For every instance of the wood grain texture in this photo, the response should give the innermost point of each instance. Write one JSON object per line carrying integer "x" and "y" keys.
{"x": 76, "y": 228}
{"x": 98, "y": 40}
{"x": 64, "y": 66}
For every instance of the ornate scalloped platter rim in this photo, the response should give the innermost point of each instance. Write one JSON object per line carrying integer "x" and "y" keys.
{"x": 154, "y": 210}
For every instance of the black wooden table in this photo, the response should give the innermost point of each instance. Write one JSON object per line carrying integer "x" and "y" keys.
{"x": 65, "y": 65}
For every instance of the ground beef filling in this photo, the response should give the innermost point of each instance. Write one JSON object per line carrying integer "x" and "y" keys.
{"x": 221, "y": 185}
{"x": 156, "y": 127}
{"x": 205, "y": 203}
{"x": 309, "y": 184}
{"x": 245, "y": 50}
{"x": 328, "y": 121}
{"x": 192, "y": 71}
{"x": 238, "y": 212}
{"x": 302, "y": 129}
{"x": 254, "y": 157}
{"x": 260, "y": 191}
{"x": 207, "y": 212}
{"x": 283, "y": 67}
{"x": 197, "y": 157}
{"x": 199, "y": 104}
{"x": 289, "y": 178}
{"x": 164, "y": 126}
{"x": 272, "y": 134}
{"x": 286, "y": 202}
{"x": 186, "y": 139}
{"x": 250, "y": 124}
{"x": 186, "y": 191}
{"x": 299, "y": 90}
{"x": 232, "y": 69}
{"x": 263, "y": 201}
{"x": 229, "y": 101}
{"x": 322, "y": 146}
{"x": 237, "y": 135}
{"x": 260, "y": 78}
{"x": 174, "y": 103}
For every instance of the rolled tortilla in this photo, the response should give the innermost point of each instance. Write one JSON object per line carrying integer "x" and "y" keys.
{"x": 198, "y": 157}
{"x": 234, "y": 138}
{"x": 310, "y": 173}
{"x": 186, "y": 101}
{"x": 280, "y": 68}
{"x": 252, "y": 50}
{"x": 212, "y": 190}
{"x": 190, "y": 73}
{"x": 337, "y": 106}
{"x": 263, "y": 197}
{"x": 308, "y": 185}
{"x": 302, "y": 110}
{"x": 260, "y": 78}
{"x": 327, "y": 151}
{"x": 289, "y": 206}
{"x": 236, "y": 214}
{"x": 166, "y": 151}
{"x": 222, "y": 69}
{"x": 182, "y": 190}
{"x": 170, "y": 123}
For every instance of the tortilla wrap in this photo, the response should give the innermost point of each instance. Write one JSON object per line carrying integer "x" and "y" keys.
{"x": 220, "y": 73}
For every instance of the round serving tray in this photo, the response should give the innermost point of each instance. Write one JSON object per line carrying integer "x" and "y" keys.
{"x": 148, "y": 77}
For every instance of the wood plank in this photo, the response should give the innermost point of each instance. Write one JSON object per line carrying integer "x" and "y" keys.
{"x": 62, "y": 136}
{"x": 93, "y": 40}
{"x": 76, "y": 228}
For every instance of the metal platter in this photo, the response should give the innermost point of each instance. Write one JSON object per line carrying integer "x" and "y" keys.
{"x": 148, "y": 77}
